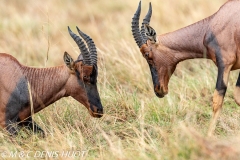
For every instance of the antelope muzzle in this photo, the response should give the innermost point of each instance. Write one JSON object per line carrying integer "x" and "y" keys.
{"x": 160, "y": 91}
{"x": 96, "y": 111}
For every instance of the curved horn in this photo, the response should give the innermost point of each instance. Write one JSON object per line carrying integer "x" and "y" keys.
{"x": 135, "y": 27}
{"x": 91, "y": 46}
{"x": 146, "y": 20}
{"x": 84, "y": 51}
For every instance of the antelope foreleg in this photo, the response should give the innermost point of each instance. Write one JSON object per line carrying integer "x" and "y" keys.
{"x": 12, "y": 128}
{"x": 31, "y": 125}
{"x": 218, "y": 96}
{"x": 217, "y": 107}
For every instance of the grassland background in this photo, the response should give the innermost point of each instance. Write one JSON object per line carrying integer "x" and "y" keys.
{"x": 136, "y": 124}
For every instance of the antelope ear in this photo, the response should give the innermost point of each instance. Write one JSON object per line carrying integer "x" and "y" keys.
{"x": 68, "y": 61}
{"x": 80, "y": 57}
{"x": 150, "y": 33}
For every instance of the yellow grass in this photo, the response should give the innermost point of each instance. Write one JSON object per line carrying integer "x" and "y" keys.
{"x": 136, "y": 124}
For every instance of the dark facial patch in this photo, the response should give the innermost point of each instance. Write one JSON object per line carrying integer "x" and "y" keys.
{"x": 19, "y": 99}
{"x": 155, "y": 78}
{"x": 93, "y": 95}
{"x": 94, "y": 74}
{"x": 92, "y": 92}
{"x": 91, "y": 89}
{"x": 87, "y": 79}
{"x": 147, "y": 53}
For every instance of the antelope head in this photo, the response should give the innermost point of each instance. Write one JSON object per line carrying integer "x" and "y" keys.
{"x": 161, "y": 70}
{"x": 86, "y": 70}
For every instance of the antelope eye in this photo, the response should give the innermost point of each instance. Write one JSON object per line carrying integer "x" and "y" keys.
{"x": 146, "y": 55}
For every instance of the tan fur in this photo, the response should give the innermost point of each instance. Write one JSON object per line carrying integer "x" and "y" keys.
{"x": 237, "y": 95}
{"x": 217, "y": 106}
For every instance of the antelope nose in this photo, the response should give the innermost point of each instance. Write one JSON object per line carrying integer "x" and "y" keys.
{"x": 96, "y": 111}
{"x": 159, "y": 95}
{"x": 159, "y": 91}
{"x": 100, "y": 110}
{"x": 99, "y": 113}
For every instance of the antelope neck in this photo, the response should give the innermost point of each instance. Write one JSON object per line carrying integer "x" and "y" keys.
{"x": 186, "y": 43}
{"x": 47, "y": 84}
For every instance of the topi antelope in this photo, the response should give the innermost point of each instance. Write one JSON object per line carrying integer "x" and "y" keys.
{"x": 25, "y": 90}
{"x": 216, "y": 37}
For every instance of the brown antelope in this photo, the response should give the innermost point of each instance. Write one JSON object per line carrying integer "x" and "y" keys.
{"x": 216, "y": 37}
{"x": 25, "y": 90}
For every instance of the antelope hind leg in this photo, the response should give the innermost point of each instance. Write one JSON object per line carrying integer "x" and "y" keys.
{"x": 237, "y": 91}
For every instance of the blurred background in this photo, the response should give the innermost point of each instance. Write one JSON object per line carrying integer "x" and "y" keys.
{"x": 34, "y": 29}
{"x": 136, "y": 124}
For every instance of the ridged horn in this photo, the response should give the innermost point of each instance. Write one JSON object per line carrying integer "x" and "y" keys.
{"x": 135, "y": 27}
{"x": 84, "y": 51}
{"x": 146, "y": 20}
{"x": 91, "y": 46}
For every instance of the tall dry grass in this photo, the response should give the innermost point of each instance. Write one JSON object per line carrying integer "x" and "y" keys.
{"x": 136, "y": 124}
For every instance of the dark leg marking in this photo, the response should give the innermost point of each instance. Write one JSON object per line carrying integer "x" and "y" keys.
{"x": 18, "y": 99}
{"x": 221, "y": 85}
{"x": 222, "y": 79}
{"x": 213, "y": 45}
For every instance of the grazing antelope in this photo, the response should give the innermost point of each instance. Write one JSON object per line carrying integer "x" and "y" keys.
{"x": 25, "y": 90}
{"x": 216, "y": 37}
